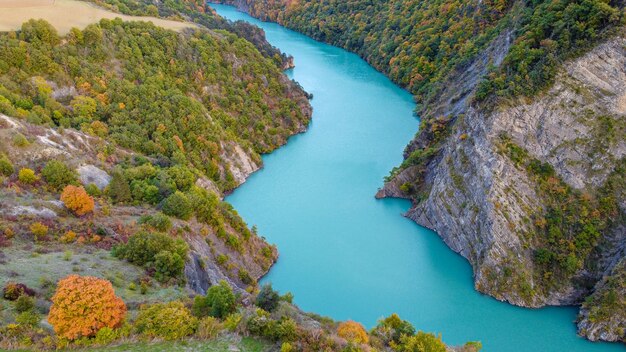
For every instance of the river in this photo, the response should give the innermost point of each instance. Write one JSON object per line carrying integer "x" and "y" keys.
{"x": 345, "y": 254}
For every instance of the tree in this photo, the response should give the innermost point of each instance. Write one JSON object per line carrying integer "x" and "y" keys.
{"x": 168, "y": 265}
{"x": 77, "y": 200}
{"x": 353, "y": 332}
{"x": 82, "y": 305}
{"x": 178, "y": 205}
{"x": 119, "y": 190}
{"x": 393, "y": 328}
{"x": 58, "y": 175}
{"x": 267, "y": 298}
{"x": 84, "y": 108}
{"x": 219, "y": 302}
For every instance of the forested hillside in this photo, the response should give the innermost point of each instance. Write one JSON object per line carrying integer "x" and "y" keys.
{"x": 510, "y": 165}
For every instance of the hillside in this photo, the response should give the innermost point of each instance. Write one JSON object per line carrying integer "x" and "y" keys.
{"x": 518, "y": 164}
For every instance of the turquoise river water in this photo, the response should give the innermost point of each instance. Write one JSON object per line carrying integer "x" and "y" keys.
{"x": 345, "y": 254}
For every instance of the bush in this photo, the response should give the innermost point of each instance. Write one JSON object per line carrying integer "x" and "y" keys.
{"x": 39, "y": 230}
{"x": 81, "y": 306}
{"x": 58, "y": 175}
{"x": 178, "y": 205}
{"x": 393, "y": 328}
{"x": 219, "y": 302}
{"x": 421, "y": 342}
{"x": 267, "y": 298}
{"x": 169, "y": 321}
{"x": 118, "y": 188}
{"x": 20, "y": 141}
{"x": 24, "y": 303}
{"x": 13, "y": 291}
{"x": 77, "y": 200}
{"x": 6, "y": 167}
{"x": 28, "y": 318}
{"x": 232, "y": 321}
{"x": 168, "y": 265}
{"x": 27, "y": 176}
{"x": 208, "y": 328}
{"x": 142, "y": 247}
{"x": 353, "y": 332}
{"x": 158, "y": 221}
{"x": 93, "y": 190}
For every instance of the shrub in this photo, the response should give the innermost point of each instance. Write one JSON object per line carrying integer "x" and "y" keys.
{"x": 393, "y": 328}
{"x": 58, "y": 175}
{"x": 421, "y": 342}
{"x": 267, "y": 298}
{"x": 158, "y": 221}
{"x": 6, "y": 167}
{"x": 68, "y": 237}
{"x": 77, "y": 200}
{"x": 93, "y": 190}
{"x": 218, "y": 302}
{"x": 20, "y": 141}
{"x": 208, "y": 328}
{"x": 39, "y": 230}
{"x": 245, "y": 277}
{"x": 81, "y": 306}
{"x": 169, "y": 321}
{"x": 13, "y": 291}
{"x": 168, "y": 265}
{"x": 24, "y": 303}
{"x": 27, "y": 176}
{"x": 178, "y": 205}
{"x": 28, "y": 318}
{"x": 352, "y": 332}
{"x": 142, "y": 247}
{"x": 232, "y": 321}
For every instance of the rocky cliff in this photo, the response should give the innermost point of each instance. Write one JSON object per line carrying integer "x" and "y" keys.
{"x": 489, "y": 208}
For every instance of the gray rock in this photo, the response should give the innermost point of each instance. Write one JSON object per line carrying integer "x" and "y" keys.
{"x": 91, "y": 174}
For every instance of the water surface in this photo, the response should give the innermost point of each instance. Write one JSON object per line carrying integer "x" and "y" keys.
{"x": 349, "y": 256}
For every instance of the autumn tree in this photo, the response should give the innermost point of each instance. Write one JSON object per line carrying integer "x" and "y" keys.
{"x": 353, "y": 332}
{"x": 82, "y": 305}
{"x": 77, "y": 200}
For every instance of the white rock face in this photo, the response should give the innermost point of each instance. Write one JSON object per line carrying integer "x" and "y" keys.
{"x": 91, "y": 174}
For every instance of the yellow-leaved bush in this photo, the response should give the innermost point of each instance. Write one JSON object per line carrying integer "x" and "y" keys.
{"x": 77, "y": 200}
{"x": 353, "y": 332}
{"x": 82, "y": 305}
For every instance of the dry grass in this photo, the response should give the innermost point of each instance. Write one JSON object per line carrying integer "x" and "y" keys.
{"x": 65, "y": 14}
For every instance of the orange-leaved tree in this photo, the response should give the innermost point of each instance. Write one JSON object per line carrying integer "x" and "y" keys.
{"x": 77, "y": 200}
{"x": 353, "y": 332}
{"x": 82, "y": 305}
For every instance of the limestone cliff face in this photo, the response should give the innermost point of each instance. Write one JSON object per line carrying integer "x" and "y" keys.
{"x": 481, "y": 203}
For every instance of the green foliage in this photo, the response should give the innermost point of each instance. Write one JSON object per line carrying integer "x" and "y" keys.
{"x": 421, "y": 342}
{"x": 267, "y": 299}
{"x": 93, "y": 190}
{"x": 155, "y": 250}
{"x": 392, "y": 329}
{"x": 118, "y": 188}
{"x": 24, "y": 303}
{"x": 181, "y": 98}
{"x": 170, "y": 321}
{"x": 550, "y": 32}
{"x": 27, "y": 176}
{"x": 58, "y": 175}
{"x": 28, "y": 318}
{"x": 20, "y": 141}
{"x": 168, "y": 265}
{"x": 219, "y": 302}
{"x": 158, "y": 221}
{"x": 6, "y": 166}
{"x": 178, "y": 205}
{"x": 261, "y": 324}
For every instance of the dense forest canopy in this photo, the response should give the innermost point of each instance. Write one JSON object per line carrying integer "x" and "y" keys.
{"x": 178, "y": 97}
{"x": 419, "y": 43}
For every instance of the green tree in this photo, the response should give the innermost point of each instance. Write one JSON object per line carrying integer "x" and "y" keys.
{"x": 219, "y": 302}
{"x": 178, "y": 205}
{"x": 267, "y": 298}
{"x": 58, "y": 175}
{"x": 118, "y": 188}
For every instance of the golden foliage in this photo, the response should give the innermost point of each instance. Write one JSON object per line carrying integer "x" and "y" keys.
{"x": 82, "y": 305}
{"x": 39, "y": 230}
{"x": 353, "y": 332}
{"x": 77, "y": 200}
